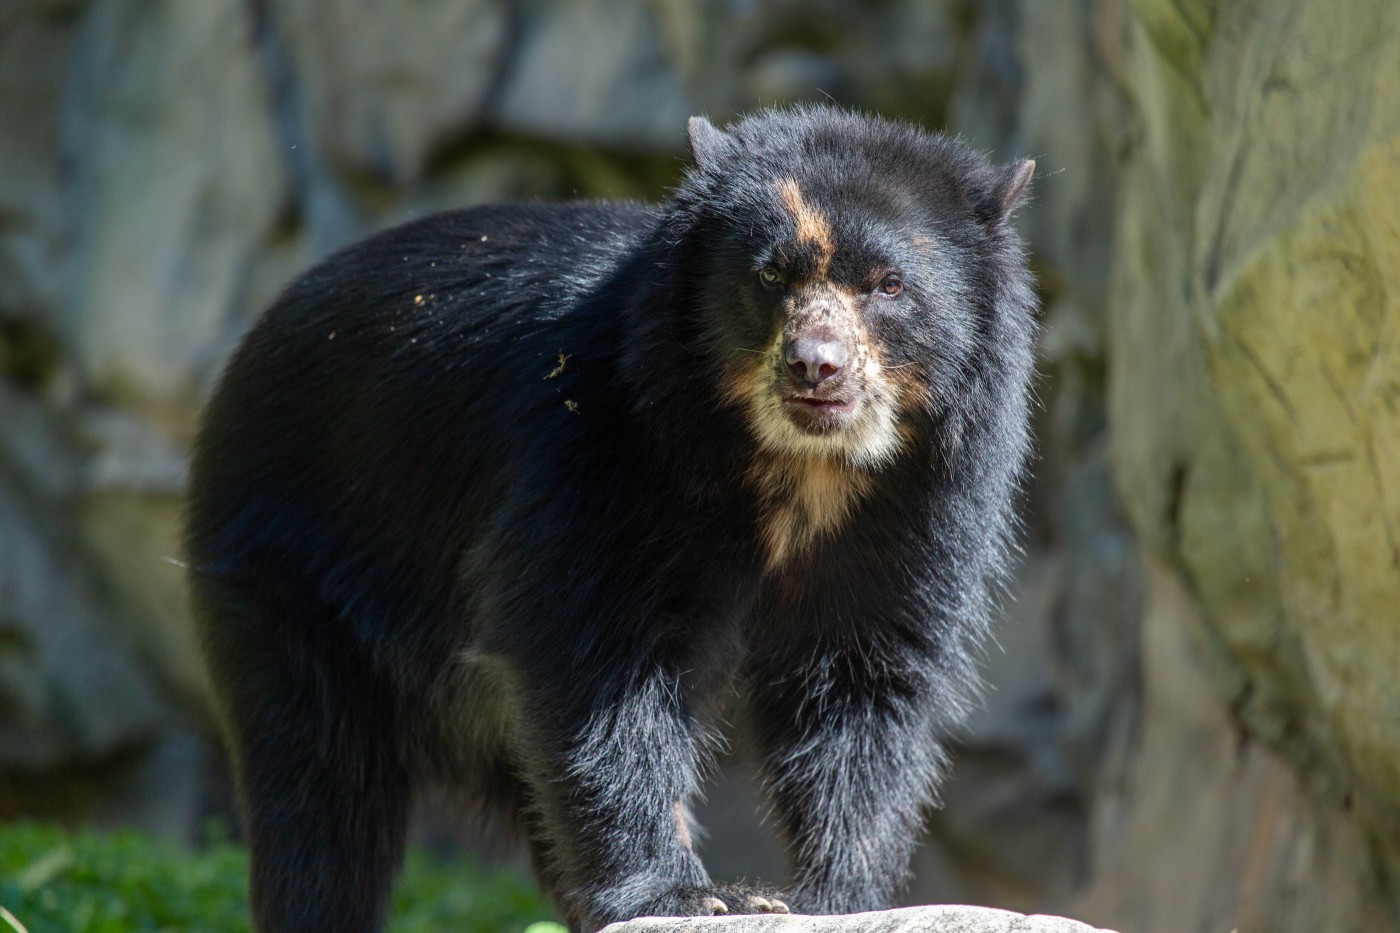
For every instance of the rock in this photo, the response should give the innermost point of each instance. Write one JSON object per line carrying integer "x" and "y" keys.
{"x": 71, "y": 689}
{"x": 595, "y": 73}
{"x": 34, "y": 51}
{"x": 1205, "y": 831}
{"x": 942, "y": 919}
{"x": 1255, "y": 396}
{"x": 374, "y": 89}
{"x": 127, "y": 507}
{"x": 175, "y": 181}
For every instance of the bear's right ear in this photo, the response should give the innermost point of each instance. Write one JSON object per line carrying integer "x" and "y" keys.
{"x": 707, "y": 142}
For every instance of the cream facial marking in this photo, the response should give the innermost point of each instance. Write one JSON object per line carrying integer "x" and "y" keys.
{"x": 810, "y": 476}
{"x": 756, "y": 383}
{"x": 802, "y": 500}
{"x": 808, "y": 484}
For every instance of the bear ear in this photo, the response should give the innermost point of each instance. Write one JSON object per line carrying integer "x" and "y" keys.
{"x": 1011, "y": 188}
{"x": 707, "y": 142}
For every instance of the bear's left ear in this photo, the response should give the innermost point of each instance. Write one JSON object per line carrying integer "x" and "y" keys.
{"x": 707, "y": 142}
{"x": 1012, "y": 185}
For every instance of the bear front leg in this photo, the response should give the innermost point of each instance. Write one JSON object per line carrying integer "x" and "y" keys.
{"x": 611, "y": 769}
{"x": 850, "y": 758}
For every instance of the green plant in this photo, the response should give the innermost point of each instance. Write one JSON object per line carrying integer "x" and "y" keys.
{"x": 125, "y": 882}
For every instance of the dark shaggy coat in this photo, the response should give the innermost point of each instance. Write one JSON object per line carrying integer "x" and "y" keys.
{"x": 506, "y": 498}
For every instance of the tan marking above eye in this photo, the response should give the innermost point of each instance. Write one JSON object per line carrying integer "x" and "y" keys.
{"x": 812, "y": 226}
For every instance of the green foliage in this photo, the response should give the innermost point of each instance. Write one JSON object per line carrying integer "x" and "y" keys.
{"x": 433, "y": 897}
{"x": 125, "y": 882}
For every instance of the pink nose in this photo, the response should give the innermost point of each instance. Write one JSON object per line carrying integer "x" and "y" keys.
{"x": 814, "y": 359}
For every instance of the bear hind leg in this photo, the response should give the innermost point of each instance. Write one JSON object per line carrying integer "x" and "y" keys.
{"x": 324, "y": 782}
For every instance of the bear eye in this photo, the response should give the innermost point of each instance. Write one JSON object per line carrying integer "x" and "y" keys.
{"x": 892, "y": 285}
{"x": 769, "y": 277}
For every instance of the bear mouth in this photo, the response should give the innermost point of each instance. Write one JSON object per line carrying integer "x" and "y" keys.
{"x": 820, "y": 415}
{"x": 826, "y": 404}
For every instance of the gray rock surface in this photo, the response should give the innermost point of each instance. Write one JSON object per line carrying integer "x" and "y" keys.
{"x": 176, "y": 183}
{"x": 373, "y": 89}
{"x": 939, "y": 919}
{"x": 1255, "y": 401}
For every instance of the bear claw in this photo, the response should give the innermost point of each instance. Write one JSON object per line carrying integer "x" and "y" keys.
{"x": 716, "y": 906}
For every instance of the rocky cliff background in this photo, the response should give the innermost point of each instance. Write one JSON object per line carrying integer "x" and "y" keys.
{"x": 1196, "y": 716}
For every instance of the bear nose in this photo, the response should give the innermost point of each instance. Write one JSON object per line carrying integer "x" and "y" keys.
{"x": 813, "y": 359}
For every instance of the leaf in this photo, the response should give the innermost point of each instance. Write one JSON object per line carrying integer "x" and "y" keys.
{"x": 45, "y": 869}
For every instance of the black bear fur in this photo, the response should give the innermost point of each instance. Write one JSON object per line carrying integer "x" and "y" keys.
{"x": 508, "y": 499}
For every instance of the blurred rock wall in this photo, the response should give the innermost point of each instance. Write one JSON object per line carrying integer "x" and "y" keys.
{"x": 1254, "y": 399}
{"x": 1195, "y": 721}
